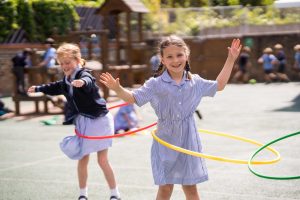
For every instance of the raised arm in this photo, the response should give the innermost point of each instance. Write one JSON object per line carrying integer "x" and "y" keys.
{"x": 233, "y": 53}
{"x": 114, "y": 84}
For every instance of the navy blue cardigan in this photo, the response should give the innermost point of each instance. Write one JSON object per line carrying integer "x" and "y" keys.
{"x": 86, "y": 100}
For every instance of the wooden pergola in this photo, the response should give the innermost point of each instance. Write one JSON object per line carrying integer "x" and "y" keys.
{"x": 115, "y": 8}
{"x": 123, "y": 48}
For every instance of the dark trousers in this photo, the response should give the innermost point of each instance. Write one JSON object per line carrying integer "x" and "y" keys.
{"x": 20, "y": 83}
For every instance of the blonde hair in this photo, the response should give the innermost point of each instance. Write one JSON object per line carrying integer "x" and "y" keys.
{"x": 246, "y": 49}
{"x": 278, "y": 46}
{"x": 70, "y": 50}
{"x": 176, "y": 41}
{"x": 297, "y": 47}
{"x": 268, "y": 50}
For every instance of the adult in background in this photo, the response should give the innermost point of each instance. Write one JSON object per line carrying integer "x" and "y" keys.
{"x": 48, "y": 60}
{"x": 20, "y": 61}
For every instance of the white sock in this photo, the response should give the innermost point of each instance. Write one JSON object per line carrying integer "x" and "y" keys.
{"x": 84, "y": 191}
{"x": 115, "y": 192}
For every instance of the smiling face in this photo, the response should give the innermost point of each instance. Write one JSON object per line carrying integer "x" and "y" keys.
{"x": 69, "y": 58}
{"x": 174, "y": 59}
{"x": 68, "y": 65}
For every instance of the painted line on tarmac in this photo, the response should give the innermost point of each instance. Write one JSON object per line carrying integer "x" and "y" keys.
{"x": 152, "y": 188}
{"x": 31, "y": 163}
{"x": 74, "y": 182}
{"x": 249, "y": 196}
{"x": 35, "y": 162}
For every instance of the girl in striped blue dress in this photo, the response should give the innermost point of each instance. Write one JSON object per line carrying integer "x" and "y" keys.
{"x": 175, "y": 94}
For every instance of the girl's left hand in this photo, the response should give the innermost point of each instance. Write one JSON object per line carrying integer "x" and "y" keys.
{"x": 31, "y": 89}
{"x": 235, "y": 49}
{"x": 77, "y": 83}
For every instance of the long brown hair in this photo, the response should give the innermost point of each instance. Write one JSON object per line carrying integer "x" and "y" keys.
{"x": 177, "y": 41}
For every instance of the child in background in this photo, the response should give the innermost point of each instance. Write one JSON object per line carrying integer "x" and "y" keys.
{"x": 89, "y": 113}
{"x": 5, "y": 113}
{"x": 20, "y": 62}
{"x": 49, "y": 55}
{"x": 269, "y": 61}
{"x": 242, "y": 74}
{"x": 280, "y": 55}
{"x": 296, "y": 65}
{"x": 175, "y": 94}
{"x": 125, "y": 119}
{"x": 154, "y": 62}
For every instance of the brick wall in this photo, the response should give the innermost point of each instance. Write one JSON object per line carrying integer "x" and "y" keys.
{"x": 207, "y": 56}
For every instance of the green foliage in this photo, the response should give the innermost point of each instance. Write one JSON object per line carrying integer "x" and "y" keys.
{"x": 233, "y": 2}
{"x": 241, "y": 2}
{"x": 54, "y": 16}
{"x": 89, "y": 3}
{"x": 42, "y": 18}
{"x": 25, "y": 19}
{"x": 183, "y": 3}
{"x": 256, "y": 2}
{"x": 192, "y": 21}
{"x": 38, "y": 18}
{"x": 219, "y": 3}
{"x": 6, "y": 19}
{"x": 152, "y": 5}
{"x": 201, "y": 3}
{"x": 152, "y": 20}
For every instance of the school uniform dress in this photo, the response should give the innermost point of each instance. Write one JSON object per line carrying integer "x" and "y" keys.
{"x": 297, "y": 59}
{"x": 267, "y": 62}
{"x": 87, "y": 110}
{"x": 120, "y": 121}
{"x": 174, "y": 105}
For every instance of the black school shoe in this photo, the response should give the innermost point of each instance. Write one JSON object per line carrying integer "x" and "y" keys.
{"x": 114, "y": 198}
{"x": 82, "y": 197}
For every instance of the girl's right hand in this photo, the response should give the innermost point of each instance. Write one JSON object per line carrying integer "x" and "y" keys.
{"x": 31, "y": 89}
{"x": 109, "y": 81}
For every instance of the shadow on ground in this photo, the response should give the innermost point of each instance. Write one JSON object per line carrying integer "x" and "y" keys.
{"x": 294, "y": 107}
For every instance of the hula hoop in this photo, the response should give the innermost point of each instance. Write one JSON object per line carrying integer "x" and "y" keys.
{"x": 217, "y": 158}
{"x": 118, "y": 135}
{"x": 119, "y": 105}
{"x": 266, "y": 146}
{"x": 113, "y": 136}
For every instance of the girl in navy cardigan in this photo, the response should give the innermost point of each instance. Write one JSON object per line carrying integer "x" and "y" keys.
{"x": 88, "y": 111}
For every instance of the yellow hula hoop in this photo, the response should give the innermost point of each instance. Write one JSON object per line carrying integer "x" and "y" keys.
{"x": 217, "y": 158}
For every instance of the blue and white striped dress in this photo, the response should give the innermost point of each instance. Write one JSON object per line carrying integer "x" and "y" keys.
{"x": 174, "y": 105}
{"x": 75, "y": 147}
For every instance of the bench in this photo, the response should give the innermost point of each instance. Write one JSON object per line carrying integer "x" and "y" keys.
{"x": 36, "y": 76}
{"x": 17, "y": 98}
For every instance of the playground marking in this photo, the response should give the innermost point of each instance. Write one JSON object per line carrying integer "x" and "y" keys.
{"x": 152, "y": 188}
{"x": 31, "y": 163}
{"x": 35, "y": 162}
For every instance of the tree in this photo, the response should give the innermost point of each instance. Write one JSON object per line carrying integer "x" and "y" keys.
{"x": 6, "y": 19}
{"x": 25, "y": 19}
